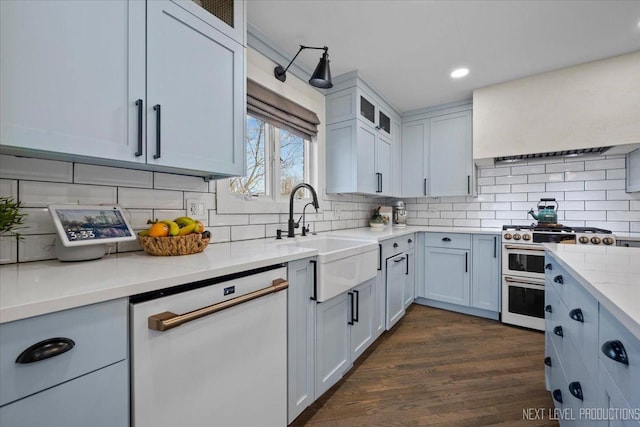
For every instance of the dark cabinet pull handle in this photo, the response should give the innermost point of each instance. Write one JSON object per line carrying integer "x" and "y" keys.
{"x": 559, "y": 279}
{"x": 407, "y": 270}
{"x": 495, "y": 247}
{"x": 557, "y": 395}
{"x": 357, "y": 294}
{"x": 395, "y": 245}
{"x": 314, "y": 297}
{"x": 379, "y": 178}
{"x": 446, "y": 239}
{"x": 466, "y": 262}
{"x": 576, "y": 390}
{"x": 379, "y": 257}
{"x": 548, "y": 266}
{"x": 547, "y": 361}
{"x": 350, "y": 322}
{"x": 468, "y": 184}
{"x": 45, "y": 349}
{"x": 424, "y": 189}
{"x": 139, "y": 104}
{"x": 398, "y": 259}
{"x": 157, "y": 109}
{"x": 614, "y": 350}
{"x": 558, "y": 331}
{"x": 576, "y": 314}
{"x": 548, "y": 308}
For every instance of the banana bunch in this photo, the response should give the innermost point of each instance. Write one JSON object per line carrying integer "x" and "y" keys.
{"x": 180, "y": 226}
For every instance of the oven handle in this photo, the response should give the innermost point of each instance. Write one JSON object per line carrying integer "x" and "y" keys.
{"x": 168, "y": 320}
{"x": 524, "y": 248}
{"x": 524, "y": 281}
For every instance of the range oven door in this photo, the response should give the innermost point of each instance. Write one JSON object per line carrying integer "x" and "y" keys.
{"x": 523, "y": 261}
{"x": 523, "y": 302}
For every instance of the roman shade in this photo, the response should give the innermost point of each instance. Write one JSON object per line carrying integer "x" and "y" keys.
{"x": 281, "y": 112}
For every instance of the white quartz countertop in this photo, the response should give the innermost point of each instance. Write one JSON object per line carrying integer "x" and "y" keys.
{"x": 35, "y": 288}
{"x": 610, "y": 274}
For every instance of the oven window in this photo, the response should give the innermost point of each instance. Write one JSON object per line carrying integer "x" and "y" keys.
{"x": 526, "y": 301}
{"x": 526, "y": 262}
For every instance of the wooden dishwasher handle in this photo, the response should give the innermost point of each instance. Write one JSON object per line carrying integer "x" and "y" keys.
{"x": 168, "y": 320}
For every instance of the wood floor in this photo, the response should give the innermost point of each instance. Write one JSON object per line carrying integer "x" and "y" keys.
{"x": 438, "y": 368}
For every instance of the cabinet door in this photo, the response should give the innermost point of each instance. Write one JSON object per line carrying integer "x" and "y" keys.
{"x": 226, "y": 16}
{"x": 485, "y": 284}
{"x": 410, "y": 281}
{"x": 195, "y": 91}
{"x": 450, "y": 155}
{"x": 415, "y": 146}
{"x": 381, "y": 301}
{"x": 447, "y": 276}
{"x": 363, "y": 328}
{"x": 367, "y": 110}
{"x": 332, "y": 342}
{"x": 383, "y": 165}
{"x": 70, "y": 75}
{"x": 301, "y": 337}
{"x": 396, "y": 268}
{"x": 368, "y": 181}
{"x": 633, "y": 171}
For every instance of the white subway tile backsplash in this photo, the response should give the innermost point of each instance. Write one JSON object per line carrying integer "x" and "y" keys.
{"x": 511, "y": 179}
{"x": 586, "y": 195}
{"x": 523, "y": 206}
{"x": 481, "y": 198}
{"x": 441, "y": 207}
{"x": 429, "y": 214}
{"x": 481, "y": 214}
{"x": 515, "y": 215}
{"x": 617, "y": 174}
{"x": 213, "y": 185}
{"x": 545, "y": 177}
{"x": 36, "y": 247}
{"x": 168, "y": 181}
{"x": 623, "y": 215}
{"x": 466, "y": 223}
{"x": 220, "y": 234}
{"x": 585, "y": 176}
{"x": 41, "y": 194}
{"x": 466, "y": 206}
{"x": 615, "y": 226}
{"x": 138, "y": 217}
{"x": 496, "y": 206}
{"x": 634, "y": 205}
{"x": 586, "y": 215}
{"x": 155, "y": 199}
{"x": 12, "y": 167}
{"x": 490, "y": 180}
{"x": 565, "y": 186}
{"x": 37, "y": 221}
{"x": 617, "y": 205}
{"x": 527, "y": 170}
{"x": 617, "y": 163}
{"x": 453, "y": 214}
{"x": 610, "y": 184}
{"x": 9, "y": 188}
{"x": 635, "y": 227}
{"x": 8, "y": 250}
{"x": 435, "y": 222}
{"x": 171, "y": 214}
{"x": 565, "y": 167}
{"x": 494, "y": 223}
{"x": 511, "y": 197}
{"x": 527, "y": 188}
{"x": 534, "y": 197}
{"x": 209, "y": 199}
{"x": 247, "y": 232}
{"x": 504, "y": 188}
{"x": 497, "y": 171}
{"x": 573, "y": 206}
{"x": 103, "y": 175}
{"x": 621, "y": 195}
{"x": 264, "y": 218}
{"x": 216, "y": 220}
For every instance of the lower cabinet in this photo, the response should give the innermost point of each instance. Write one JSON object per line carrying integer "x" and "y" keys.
{"x": 410, "y": 279}
{"x": 447, "y": 275}
{"x": 345, "y": 328}
{"x": 301, "y": 337}
{"x": 485, "y": 272}
{"x": 396, "y": 279}
{"x": 83, "y": 378}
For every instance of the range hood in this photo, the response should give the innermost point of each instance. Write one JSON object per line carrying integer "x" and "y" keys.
{"x": 562, "y": 153}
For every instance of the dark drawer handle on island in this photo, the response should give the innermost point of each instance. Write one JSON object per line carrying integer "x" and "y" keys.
{"x": 558, "y": 331}
{"x": 548, "y": 266}
{"x": 576, "y": 314}
{"x": 614, "y": 350}
{"x": 558, "y": 279}
{"x": 548, "y": 308}
{"x": 557, "y": 395}
{"x": 446, "y": 239}
{"x": 45, "y": 349}
{"x": 576, "y": 390}
{"x": 547, "y": 361}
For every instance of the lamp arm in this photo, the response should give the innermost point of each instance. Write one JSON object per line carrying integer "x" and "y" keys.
{"x": 300, "y": 50}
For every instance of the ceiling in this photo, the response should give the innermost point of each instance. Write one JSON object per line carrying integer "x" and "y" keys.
{"x": 407, "y": 49}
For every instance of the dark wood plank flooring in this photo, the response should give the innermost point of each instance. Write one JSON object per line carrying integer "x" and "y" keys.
{"x": 439, "y": 368}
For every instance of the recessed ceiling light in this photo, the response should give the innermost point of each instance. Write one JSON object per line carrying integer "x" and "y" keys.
{"x": 460, "y": 72}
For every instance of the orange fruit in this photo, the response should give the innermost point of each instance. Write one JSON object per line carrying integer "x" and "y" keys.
{"x": 200, "y": 228}
{"x": 159, "y": 230}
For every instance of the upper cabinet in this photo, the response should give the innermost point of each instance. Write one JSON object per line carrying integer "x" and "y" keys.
{"x": 633, "y": 171}
{"x": 156, "y": 85}
{"x": 363, "y": 139}
{"x": 436, "y": 154}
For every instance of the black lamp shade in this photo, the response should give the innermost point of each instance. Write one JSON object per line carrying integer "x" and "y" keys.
{"x": 321, "y": 77}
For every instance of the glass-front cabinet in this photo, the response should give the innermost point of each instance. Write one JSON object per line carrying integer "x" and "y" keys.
{"x": 229, "y": 14}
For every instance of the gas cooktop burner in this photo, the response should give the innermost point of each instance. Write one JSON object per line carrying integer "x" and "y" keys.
{"x": 556, "y": 229}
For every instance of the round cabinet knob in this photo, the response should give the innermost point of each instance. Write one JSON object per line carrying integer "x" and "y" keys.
{"x": 607, "y": 241}
{"x": 516, "y": 236}
{"x": 526, "y": 237}
{"x": 583, "y": 239}
{"x": 595, "y": 240}
{"x": 507, "y": 236}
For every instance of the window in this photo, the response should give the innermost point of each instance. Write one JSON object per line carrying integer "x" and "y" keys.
{"x": 277, "y": 160}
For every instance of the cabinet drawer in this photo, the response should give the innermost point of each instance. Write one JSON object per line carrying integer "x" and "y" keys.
{"x": 391, "y": 247}
{"x": 558, "y": 278}
{"x": 582, "y": 324}
{"x": 613, "y": 399}
{"x": 581, "y": 388}
{"x": 448, "y": 240}
{"x": 626, "y": 376}
{"x": 100, "y": 335}
{"x": 99, "y": 399}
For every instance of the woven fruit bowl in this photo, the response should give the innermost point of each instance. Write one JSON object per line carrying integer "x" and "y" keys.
{"x": 174, "y": 245}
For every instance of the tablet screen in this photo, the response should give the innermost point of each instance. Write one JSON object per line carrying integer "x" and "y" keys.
{"x": 84, "y": 225}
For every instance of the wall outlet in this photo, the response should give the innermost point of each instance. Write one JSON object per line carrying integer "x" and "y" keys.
{"x": 196, "y": 209}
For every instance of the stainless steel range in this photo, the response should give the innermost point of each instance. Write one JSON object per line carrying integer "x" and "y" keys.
{"x": 523, "y": 267}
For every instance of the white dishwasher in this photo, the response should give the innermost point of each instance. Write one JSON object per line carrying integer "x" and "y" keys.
{"x": 211, "y": 353}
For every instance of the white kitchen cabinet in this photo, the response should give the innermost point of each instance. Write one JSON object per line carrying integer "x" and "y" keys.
{"x": 332, "y": 342}
{"x": 447, "y": 275}
{"x": 227, "y": 16}
{"x": 485, "y": 267}
{"x": 410, "y": 273}
{"x": 633, "y": 171}
{"x": 437, "y": 154}
{"x": 396, "y": 279}
{"x": 396, "y": 275}
{"x": 361, "y": 133}
{"x": 301, "y": 324}
{"x": 83, "y": 378}
{"x": 141, "y": 85}
{"x": 381, "y": 295}
{"x": 362, "y": 327}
